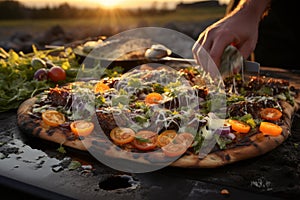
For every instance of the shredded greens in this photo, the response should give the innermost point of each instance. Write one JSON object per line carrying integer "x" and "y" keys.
{"x": 17, "y": 72}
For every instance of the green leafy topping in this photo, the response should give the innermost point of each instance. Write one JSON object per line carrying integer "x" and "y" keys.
{"x": 61, "y": 149}
{"x": 248, "y": 119}
{"x": 158, "y": 88}
{"x": 235, "y": 98}
{"x": 251, "y": 122}
{"x": 114, "y": 72}
{"x": 122, "y": 99}
{"x": 134, "y": 82}
{"x": 141, "y": 119}
{"x": 17, "y": 74}
{"x": 74, "y": 164}
{"x": 289, "y": 97}
{"x": 99, "y": 101}
{"x": 141, "y": 139}
{"x": 198, "y": 140}
{"x": 265, "y": 90}
{"x": 223, "y": 142}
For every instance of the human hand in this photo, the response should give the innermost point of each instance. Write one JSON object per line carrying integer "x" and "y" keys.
{"x": 239, "y": 28}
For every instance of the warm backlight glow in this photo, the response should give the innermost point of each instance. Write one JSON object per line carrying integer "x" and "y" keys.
{"x": 110, "y": 3}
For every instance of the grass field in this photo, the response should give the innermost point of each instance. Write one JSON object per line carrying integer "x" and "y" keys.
{"x": 111, "y": 20}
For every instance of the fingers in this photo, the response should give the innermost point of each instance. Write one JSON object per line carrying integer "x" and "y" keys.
{"x": 217, "y": 50}
{"x": 211, "y": 46}
{"x": 246, "y": 48}
{"x": 201, "y": 48}
{"x": 197, "y": 47}
{"x": 214, "y": 42}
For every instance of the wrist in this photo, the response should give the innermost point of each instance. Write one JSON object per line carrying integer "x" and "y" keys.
{"x": 256, "y": 9}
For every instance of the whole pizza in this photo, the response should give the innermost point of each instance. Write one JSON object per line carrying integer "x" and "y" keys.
{"x": 157, "y": 115}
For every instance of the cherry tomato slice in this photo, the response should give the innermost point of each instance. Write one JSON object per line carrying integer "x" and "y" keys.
{"x": 122, "y": 135}
{"x": 100, "y": 87}
{"x": 239, "y": 126}
{"x": 268, "y": 128}
{"x": 174, "y": 150}
{"x": 82, "y": 128}
{"x": 153, "y": 98}
{"x": 272, "y": 114}
{"x": 166, "y": 137}
{"x": 185, "y": 138}
{"x": 145, "y": 140}
{"x": 53, "y": 118}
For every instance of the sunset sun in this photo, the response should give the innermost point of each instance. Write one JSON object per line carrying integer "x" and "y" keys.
{"x": 109, "y": 3}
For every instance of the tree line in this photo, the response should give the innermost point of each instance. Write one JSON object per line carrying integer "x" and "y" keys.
{"x": 10, "y": 9}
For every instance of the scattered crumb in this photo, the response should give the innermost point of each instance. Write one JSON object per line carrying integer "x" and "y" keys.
{"x": 224, "y": 192}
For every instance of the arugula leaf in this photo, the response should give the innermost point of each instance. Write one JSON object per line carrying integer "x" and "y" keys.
{"x": 141, "y": 139}
{"x": 17, "y": 72}
{"x": 223, "y": 141}
{"x": 61, "y": 149}
{"x": 248, "y": 119}
{"x": 198, "y": 140}
{"x": 74, "y": 164}
{"x": 235, "y": 98}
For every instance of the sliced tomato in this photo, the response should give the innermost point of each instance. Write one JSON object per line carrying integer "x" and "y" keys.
{"x": 272, "y": 114}
{"x": 239, "y": 126}
{"x": 145, "y": 140}
{"x": 153, "y": 98}
{"x": 268, "y": 128}
{"x": 100, "y": 87}
{"x": 166, "y": 137}
{"x": 82, "y": 127}
{"x": 53, "y": 117}
{"x": 185, "y": 138}
{"x": 174, "y": 150}
{"x": 122, "y": 135}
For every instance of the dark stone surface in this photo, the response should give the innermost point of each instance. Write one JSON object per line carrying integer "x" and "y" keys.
{"x": 275, "y": 174}
{"x": 33, "y": 168}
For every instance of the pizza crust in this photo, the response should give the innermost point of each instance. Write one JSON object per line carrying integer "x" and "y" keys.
{"x": 36, "y": 128}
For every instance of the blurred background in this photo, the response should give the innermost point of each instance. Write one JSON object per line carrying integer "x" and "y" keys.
{"x": 60, "y": 22}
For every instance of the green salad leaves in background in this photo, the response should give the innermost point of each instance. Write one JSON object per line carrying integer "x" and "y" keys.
{"x": 17, "y": 70}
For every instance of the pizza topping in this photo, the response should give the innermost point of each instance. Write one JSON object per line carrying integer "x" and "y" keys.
{"x": 272, "y": 114}
{"x": 145, "y": 140}
{"x": 268, "y": 128}
{"x": 100, "y": 87}
{"x": 53, "y": 118}
{"x": 122, "y": 135}
{"x": 224, "y": 135}
{"x": 251, "y": 106}
{"x": 166, "y": 137}
{"x": 153, "y": 98}
{"x": 120, "y": 100}
{"x": 174, "y": 150}
{"x": 59, "y": 96}
{"x": 184, "y": 138}
{"x": 136, "y": 96}
{"x": 82, "y": 127}
{"x": 223, "y": 140}
{"x": 234, "y": 98}
{"x": 239, "y": 126}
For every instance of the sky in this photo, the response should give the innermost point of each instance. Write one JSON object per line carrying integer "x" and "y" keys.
{"x": 107, "y": 3}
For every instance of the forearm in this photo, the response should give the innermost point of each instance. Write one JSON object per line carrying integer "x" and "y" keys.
{"x": 255, "y": 9}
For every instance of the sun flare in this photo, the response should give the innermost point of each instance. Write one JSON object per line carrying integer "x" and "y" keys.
{"x": 109, "y": 3}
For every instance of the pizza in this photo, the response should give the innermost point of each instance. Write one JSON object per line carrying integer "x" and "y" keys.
{"x": 155, "y": 115}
